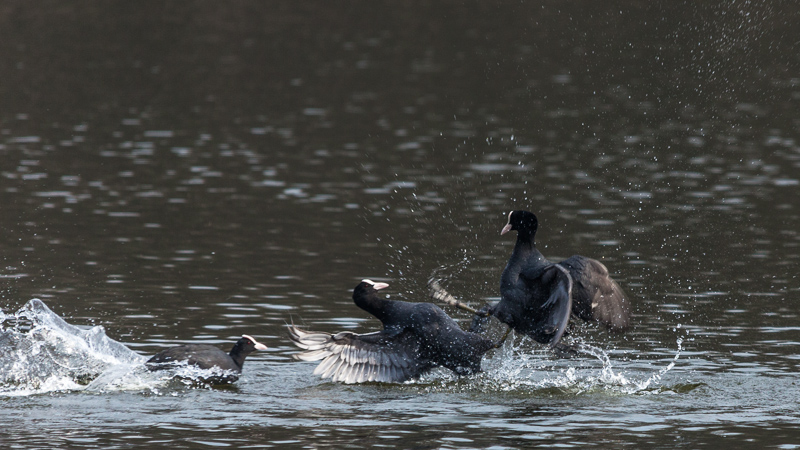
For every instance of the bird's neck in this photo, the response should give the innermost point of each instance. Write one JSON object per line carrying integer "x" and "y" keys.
{"x": 523, "y": 256}
{"x": 379, "y": 307}
{"x": 525, "y": 248}
{"x": 371, "y": 304}
{"x": 237, "y": 357}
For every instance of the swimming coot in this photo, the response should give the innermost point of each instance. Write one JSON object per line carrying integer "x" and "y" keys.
{"x": 538, "y": 296}
{"x": 205, "y": 356}
{"x": 416, "y": 337}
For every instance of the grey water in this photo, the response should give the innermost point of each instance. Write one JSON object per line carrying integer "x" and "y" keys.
{"x": 191, "y": 172}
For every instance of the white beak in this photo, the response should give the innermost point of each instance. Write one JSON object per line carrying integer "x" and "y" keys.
{"x": 258, "y": 345}
{"x": 376, "y": 286}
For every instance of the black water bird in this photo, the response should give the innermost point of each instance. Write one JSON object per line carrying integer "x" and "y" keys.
{"x": 416, "y": 337}
{"x": 208, "y": 357}
{"x": 539, "y": 296}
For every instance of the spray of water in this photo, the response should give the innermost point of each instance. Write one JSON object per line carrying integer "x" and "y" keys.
{"x": 40, "y": 352}
{"x": 656, "y": 377}
{"x": 518, "y": 368}
{"x": 522, "y": 365}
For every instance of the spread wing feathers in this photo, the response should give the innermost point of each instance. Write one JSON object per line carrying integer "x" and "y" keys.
{"x": 357, "y": 358}
{"x": 596, "y": 295}
{"x": 610, "y": 307}
{"x": 560, "y": 302}
{"x": 546, "y": 305}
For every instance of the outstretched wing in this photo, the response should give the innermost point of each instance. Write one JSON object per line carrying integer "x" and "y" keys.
{"x": 558, "y": 307}
{"x": 540, "y": 305}
{"x": 359, "y": 358}
{"x": 596, "y": 295}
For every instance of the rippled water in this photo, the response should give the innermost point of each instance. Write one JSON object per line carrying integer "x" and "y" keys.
{"x": 176, "y": 174}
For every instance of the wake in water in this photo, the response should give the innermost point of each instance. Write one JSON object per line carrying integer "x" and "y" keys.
{"x": 40, "y": 353}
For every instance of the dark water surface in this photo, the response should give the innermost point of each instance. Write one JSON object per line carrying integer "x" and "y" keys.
{"x": 189, "y": 172}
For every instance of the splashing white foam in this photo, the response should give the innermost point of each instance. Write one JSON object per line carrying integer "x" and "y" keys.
{"x": 40, "y": 352}
{"x": 516, "y": 367}
{"x": 656, "y": 377}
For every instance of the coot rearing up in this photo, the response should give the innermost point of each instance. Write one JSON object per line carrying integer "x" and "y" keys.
{"x": 416, "y": 337}
{"x": 538, "y": 296}
{"x": 206, "y": 356}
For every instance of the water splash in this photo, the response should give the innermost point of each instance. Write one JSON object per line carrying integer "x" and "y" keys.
{"x": 521, "y": 366}
{"x": 655, "y": 378}
{"x": 519, "y": 369}
{"x": 452, "y": 270}
{"x": 40, "y": 352}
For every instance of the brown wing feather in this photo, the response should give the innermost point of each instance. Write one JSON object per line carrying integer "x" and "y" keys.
{"x": 596, "y": 296}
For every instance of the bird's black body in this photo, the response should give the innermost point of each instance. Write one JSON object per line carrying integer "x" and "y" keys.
{"x": 538, "y": 296}
{"x": 416, "y": 337}
{"x": 207, "y": 357}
